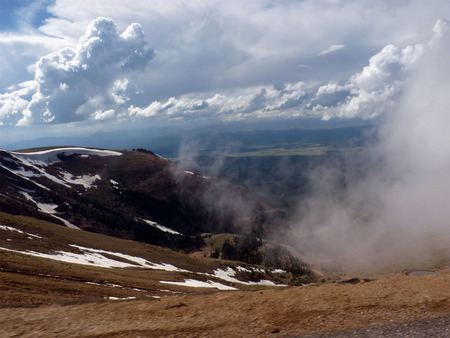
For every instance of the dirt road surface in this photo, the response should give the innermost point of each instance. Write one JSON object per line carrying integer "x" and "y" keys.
{"x": 425, "y": 328}
{"x": 275, "y": 312}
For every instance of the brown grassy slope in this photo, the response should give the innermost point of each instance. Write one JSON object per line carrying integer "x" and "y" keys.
{"x": 292, "y": 311}
{"x": 28, "y": 280}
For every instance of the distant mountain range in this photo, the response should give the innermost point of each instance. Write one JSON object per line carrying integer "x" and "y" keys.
{"x": 234, "y": 137}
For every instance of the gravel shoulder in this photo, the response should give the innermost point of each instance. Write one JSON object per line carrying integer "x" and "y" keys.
{"x": 425, "y": 328}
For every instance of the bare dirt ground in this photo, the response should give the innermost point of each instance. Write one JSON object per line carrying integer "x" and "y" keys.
{"x": 284, "y": 312}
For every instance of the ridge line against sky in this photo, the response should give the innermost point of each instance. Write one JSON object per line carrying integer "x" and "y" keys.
{"x": 101, "y": 63}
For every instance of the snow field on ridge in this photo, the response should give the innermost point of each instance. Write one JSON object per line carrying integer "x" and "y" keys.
{"x": 50, "y": 156}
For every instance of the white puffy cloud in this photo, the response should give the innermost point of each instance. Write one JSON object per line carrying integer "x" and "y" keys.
{"x": 72, "y": 83}
{"x": 244, "y": 103}
{"x": 13, "y": 103}
{"x": 90, "y": 82}
{"x": 215, "y": 59}
{"x": 104, "y": 115}
{"x": 374, "y": 90}
{"x": 367, "y": 94}
{"x": 331, "y": 88}
{"x": 211, "y": 45}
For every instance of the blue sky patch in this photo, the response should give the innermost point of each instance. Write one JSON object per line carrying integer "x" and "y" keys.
{"x": 12, "y": 12}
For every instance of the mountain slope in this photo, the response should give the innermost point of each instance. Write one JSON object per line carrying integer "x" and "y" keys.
{"x": 41, "y": 262}
{"x": 129, "y": 194}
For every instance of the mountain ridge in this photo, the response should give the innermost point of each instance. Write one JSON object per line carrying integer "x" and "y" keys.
{"x": 121, "y": 193}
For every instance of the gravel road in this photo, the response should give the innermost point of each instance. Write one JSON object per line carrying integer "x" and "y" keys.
{"x": 438, "y": 327}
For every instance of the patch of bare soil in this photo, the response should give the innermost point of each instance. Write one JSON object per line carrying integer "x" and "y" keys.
{"x": 283, "y": 312}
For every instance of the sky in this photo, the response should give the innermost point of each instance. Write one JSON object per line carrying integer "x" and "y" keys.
{"x": 88, "y": 65}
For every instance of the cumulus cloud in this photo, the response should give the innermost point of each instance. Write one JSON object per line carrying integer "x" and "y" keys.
{"x": 91, "y": 82}
{"x": 254, "y": 102}
{"x": 367, "y": 94}
{"x": 104, "y": 115}
{"x": 73, "y": 83}
{"x": 13, "y": 103}
{"x": 374, "y": 90}
{"x": 216, "y": 60}
{"x": 210, "y": 45}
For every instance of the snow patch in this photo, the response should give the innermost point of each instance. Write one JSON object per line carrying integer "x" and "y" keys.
{"x": 229, "y": 273}
{"x": 66, "y": 223}
{"x": 97, "y": 258}
{"x": 49, "y": 209}
{"x": 38, "y": 172}
{"x": 20, "y": 174}
{"x": 50, "y": 156}
{"x": 34, "y": 165}
{"x": 66, "y": 178}
{"x": 8, "y": 228}
{"x": 199, "y": 284}
{"x": 137, "y": 261}
{"x": 85, "y": 180}
{"x": 118, "y": 298}
{"x": 26, "y": 173}
{"x": 161, "y": 227}
{"x": 242, "y": 269}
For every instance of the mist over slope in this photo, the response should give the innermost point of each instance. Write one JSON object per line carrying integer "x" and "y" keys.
{"x": 389, "y": 205}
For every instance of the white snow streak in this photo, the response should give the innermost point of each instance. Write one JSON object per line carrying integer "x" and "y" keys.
{"x": 199, "y": 284}
{"x": 20, "y": 173}
{"x": 118, "y": 298}
{"x": 49, "y": 209}
{"x": 97, "y": 258}
{"x": 66, "y": 223}
{"x": 34, "y": 165}
{"x": 47, "y": 157}
{"x": 229, "y": 273}
{"x": 85, "y": 180}
{"x": 8, "y": 228}
{"x": 161, "y": 227}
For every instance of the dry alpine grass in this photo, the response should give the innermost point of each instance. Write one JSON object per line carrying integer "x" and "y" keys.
{"x": 287, "y": 312}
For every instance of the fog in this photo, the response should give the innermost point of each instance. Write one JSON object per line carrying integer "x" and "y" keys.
{"x": 385, "y": 206}
{"x": 389, "y": 205}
